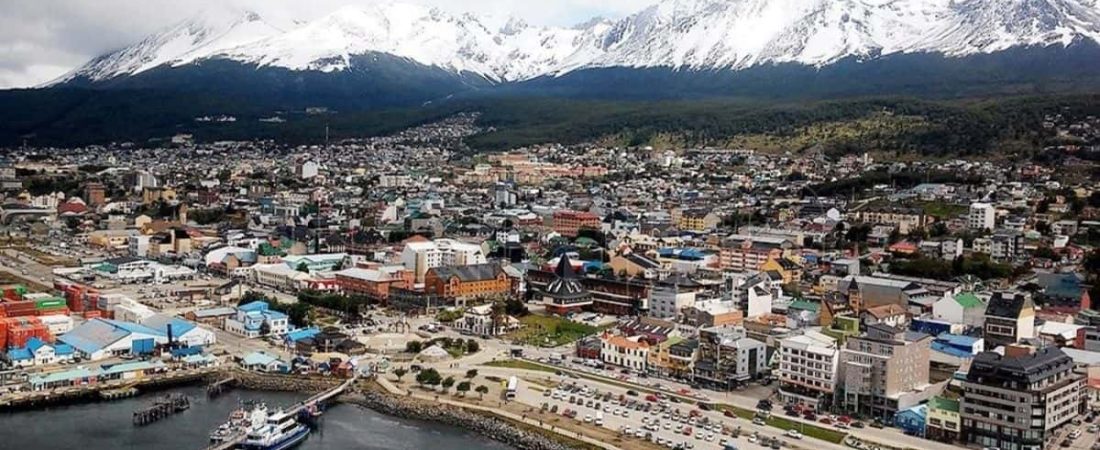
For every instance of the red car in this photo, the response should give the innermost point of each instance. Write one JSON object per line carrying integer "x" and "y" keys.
{"x": 728, "y": 413}
{"x": 826, "y": 421}
{"x": 687, "y": 431}
{"x": 651, "y": 398}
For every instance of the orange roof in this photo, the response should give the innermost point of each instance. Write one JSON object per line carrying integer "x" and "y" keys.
{"x": 620, "y": 341}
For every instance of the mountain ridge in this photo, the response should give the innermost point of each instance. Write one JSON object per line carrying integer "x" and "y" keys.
{"x": 697, "y": 35}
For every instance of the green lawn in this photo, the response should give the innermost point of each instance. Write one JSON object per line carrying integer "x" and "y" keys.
{"x": 520, "y": 364}
{"x": 546, "y": 331}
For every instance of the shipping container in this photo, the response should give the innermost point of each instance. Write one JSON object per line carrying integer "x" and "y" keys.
{"x": 92, "y": 314}
{"x": 51, "y": 302}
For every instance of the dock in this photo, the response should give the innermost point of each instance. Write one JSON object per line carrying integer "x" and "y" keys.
{"x": 219, "y": 387}
{"x": 163, "y": 407}
{"x": 319, "y": 398}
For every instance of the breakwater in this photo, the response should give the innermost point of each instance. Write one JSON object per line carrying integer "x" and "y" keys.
{"x": 495, "y": 428}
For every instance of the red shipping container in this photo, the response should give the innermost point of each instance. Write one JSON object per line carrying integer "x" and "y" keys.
{"x": 60, "y": 310}
{"x": 93, "y": 313}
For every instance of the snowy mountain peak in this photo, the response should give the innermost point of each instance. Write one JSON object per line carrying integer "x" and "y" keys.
{"x": 681, "y": 34}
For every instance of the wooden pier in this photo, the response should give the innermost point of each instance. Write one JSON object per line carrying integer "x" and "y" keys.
{"x": 163, "y": 407}
{"x": 219, "y": 387}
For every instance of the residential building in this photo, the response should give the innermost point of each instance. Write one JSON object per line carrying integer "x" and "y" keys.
{"x": 420, "y": 256}
{"x": 1018, "y": 400}
{"x": 965, "y": 308}
{"x": 1009, "y": 319}
{"x": 669, "y": 297}
{"x": 983, "y": 216}
{"x": 884, "y": 371}
{"x": 727, "y": 357}
{"x": 944, "y": 423}
{"x": 698, "y": 220}
{"x": 741, "y": 253}
{"x": 569, "y": 223}
{"x": 807, "y": 368}
{"x": 905, "y": 219}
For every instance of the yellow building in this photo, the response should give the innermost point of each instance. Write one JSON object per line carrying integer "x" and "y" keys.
{"x": 789, "y": 270}
{"x": 943, "y": 420}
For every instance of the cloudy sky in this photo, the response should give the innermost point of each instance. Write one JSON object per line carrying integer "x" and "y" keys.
{"x": 42, "y": 39}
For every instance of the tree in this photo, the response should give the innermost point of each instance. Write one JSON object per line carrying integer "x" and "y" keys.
{"x": 448, "y": 382}
{"x": 414, "y": 347}
{"x": 482, "y": 390}
{"x": 428, "y": 377}
{"x": 400, "y": 372}
{"x": 516, "y": 307}
{"x": 265, "y": 328}
{"x": 471, "y": 373}
{"x": 472, "y": 346}
{"x": 303, "y": 267}
{"x": 463, "y": 387}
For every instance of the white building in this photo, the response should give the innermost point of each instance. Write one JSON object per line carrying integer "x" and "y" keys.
{"x": 807, "y": 367}
{"x": 279, "y": 276}
{"x": 667, "y": 301}
{"x": 251, "y": 317}
{"x": 478, "y": 320}
{"x": 138, "y": 245}
{"x": 419, "y": 257}
{"x": 628, "y": 352}
{"x": 308, "y": 169}
{"x": 965, "y": 308}
{"x": 982, "y": 217}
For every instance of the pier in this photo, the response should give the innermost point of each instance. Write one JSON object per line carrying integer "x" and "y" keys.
{"x": 163, "y": 407}
{"x": 319, "y": 398}
{"x": 219, "y": 387}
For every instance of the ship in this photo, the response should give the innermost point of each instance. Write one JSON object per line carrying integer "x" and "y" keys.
{"x": 279, "y": 431}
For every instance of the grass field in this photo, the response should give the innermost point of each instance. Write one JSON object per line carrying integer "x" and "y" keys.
{"x": 546, "y": 331}
{"x": 520, "y": 364}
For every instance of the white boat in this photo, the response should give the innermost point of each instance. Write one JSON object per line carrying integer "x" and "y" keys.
{"x": 279, "y": 431}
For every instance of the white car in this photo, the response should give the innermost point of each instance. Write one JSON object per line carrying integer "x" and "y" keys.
{"x": 753, "y": 439}
{"x": 794, "y": 434}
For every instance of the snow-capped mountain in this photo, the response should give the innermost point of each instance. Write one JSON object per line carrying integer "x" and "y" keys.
{"x": 673, "y": 34}
{"x": 202, "y": 36}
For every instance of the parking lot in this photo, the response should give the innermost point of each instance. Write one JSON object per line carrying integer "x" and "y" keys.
{"x": 657, "y": 419}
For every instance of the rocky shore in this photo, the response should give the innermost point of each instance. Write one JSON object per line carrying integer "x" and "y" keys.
{"x": 488, "y": 426}
{"x": 281, "y": 383}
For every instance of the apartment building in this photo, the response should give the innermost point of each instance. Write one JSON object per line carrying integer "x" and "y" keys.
{"x": 807, "y": 368}
{"x": 727, "y": 357}
{"x": 904, "y": 219}
{"x": 698, "y": 220}
{"x": 982, "y": 216}
{"x": 568, "y": 223}
{"x": 742, "y": 253}
{"x": 420, "y": 256}
{"x": 1009, "y": 319}
{"x": 1017, "y": 400}
{"x": 884, "y": 371}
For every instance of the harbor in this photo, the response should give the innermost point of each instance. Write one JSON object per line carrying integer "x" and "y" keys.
{"x": 107, "y": 425}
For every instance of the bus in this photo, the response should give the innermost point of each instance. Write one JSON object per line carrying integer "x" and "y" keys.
{"x": 510, "y": 391}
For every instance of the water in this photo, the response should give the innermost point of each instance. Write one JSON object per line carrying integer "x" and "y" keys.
{"x": 107, "y": 426}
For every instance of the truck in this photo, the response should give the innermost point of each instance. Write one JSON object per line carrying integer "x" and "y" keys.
{"x": 513, "y": 384}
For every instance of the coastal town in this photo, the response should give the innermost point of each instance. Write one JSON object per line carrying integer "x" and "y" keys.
{"x": 710, "y": 298}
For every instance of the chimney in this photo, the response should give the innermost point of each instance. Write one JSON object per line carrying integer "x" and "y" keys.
{"x": 170, "y": 338}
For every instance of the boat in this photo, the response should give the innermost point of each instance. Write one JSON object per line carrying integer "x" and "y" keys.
{"x": 279, "y": 431}
{"x": 241, "y": 420}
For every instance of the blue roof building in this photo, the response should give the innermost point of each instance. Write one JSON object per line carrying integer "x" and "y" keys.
{"x": 912, "y": 420}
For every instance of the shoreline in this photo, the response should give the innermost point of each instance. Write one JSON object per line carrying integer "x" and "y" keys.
{"x": 485, "y": 424}
{"x": 367, "y": 394}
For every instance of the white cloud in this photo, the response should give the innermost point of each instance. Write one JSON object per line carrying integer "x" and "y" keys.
{"x": 42, "y": 39}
